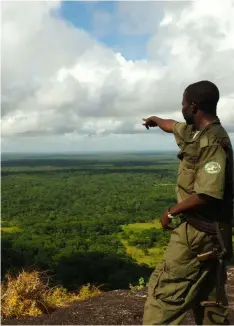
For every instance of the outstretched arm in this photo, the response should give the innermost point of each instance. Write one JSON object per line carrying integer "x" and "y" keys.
{"x": 164, "y": 124}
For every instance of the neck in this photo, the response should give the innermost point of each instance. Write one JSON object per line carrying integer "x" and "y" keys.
{"x": 202, "y": 123}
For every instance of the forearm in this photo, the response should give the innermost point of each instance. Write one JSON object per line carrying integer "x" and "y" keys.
{"x": 164, "y": 124}
{"x": 189, "y": 204}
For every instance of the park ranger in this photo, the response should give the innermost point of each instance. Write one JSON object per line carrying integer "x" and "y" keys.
{"x": 192, "y": 274}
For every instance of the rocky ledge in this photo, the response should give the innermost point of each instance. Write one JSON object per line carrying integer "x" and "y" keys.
{"x": 119, "y": 307}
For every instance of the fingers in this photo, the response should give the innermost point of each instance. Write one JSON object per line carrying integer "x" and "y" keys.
{"x": 144, "y": 124}
{"x": 148, "y": 123}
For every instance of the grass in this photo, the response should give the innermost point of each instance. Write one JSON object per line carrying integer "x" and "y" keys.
{"x": 11, "y": 229}
{"x": 142, "y": 226}
{"x": 151, "y": 259}
{"x": 154, "y": 255}
{"x": 28, "y": 294}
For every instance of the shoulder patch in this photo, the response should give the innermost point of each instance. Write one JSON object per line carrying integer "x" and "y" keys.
{"x": 212, "y": 167}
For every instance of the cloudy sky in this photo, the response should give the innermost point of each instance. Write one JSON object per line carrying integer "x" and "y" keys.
{"x": 80, "y": 76}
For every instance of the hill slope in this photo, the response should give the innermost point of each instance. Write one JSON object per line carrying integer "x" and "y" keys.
{"x": 119, "y": 307}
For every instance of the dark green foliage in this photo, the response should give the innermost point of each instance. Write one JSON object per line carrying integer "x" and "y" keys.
{"x": 148, "y": 238}
{"x": 70, "y": 210}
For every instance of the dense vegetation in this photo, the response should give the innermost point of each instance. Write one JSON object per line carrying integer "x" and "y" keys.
{"x": 66, "y": 214}
{"x": 147, "y": 238}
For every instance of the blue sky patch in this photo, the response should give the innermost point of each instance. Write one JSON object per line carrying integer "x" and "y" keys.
{"x": 103, "y": 21}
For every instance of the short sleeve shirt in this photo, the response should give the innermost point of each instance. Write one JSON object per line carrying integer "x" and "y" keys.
{"x": 202, "y": 166}
{"x": 210, "y": 174}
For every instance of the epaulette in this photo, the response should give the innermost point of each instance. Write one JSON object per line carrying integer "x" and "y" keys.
{"x": 225, "y": 142}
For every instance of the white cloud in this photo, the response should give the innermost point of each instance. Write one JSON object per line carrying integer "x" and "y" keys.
{"x": 57, "y": 80}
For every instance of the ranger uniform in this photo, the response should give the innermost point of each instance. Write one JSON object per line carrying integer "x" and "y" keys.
{"x": 186, "y": 279}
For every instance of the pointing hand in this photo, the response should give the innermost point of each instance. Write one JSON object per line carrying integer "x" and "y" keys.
{"x": 149, "y": 122}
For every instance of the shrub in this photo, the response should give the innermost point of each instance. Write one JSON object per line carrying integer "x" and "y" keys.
{"x": 29, "y": 295}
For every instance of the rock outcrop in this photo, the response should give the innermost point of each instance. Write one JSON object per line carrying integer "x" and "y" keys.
{"x": 119, "y": 307}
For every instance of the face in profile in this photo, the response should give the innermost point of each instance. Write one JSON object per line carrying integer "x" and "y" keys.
{"x": 187, "y": 110}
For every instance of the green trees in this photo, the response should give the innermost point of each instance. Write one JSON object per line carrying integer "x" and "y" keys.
{"x": 69, "y": 212}
{"x": 146, "y": 239}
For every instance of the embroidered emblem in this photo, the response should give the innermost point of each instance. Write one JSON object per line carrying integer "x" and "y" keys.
{"x": 212, "y": 167}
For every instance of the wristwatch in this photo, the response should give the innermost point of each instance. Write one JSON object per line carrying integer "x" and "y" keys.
{"x": 169, "y": 214}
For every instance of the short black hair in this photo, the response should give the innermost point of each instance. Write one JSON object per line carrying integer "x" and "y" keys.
{"x": 205, "y": 94}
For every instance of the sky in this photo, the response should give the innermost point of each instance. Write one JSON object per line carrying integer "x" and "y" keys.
{"x": 81, "y": 76}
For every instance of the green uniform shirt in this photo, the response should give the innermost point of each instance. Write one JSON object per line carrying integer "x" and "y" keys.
{"x": 206, "y": 166}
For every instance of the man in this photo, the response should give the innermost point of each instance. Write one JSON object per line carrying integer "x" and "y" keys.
{"x": 187, "y": 276}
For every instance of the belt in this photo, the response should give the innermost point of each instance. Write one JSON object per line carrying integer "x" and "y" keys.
{"x": 201, "y": 224}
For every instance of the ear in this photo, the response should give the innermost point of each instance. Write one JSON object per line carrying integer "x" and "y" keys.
{"x": 194, "y": 107}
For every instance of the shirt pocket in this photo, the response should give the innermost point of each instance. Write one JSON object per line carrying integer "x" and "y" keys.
{"x": 186, "y": 177}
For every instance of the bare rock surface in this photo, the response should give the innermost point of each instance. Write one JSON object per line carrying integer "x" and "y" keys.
{"x": 119, "y": 307}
